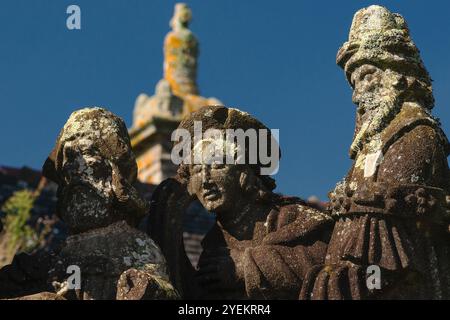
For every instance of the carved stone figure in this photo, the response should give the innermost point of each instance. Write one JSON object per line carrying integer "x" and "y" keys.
{"x": 262, "y": 244}
{"x": 94, "y": 168}
{"x": 391, "y": 207}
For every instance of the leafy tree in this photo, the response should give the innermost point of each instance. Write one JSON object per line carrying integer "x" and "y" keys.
{"x": 17, "y": 209}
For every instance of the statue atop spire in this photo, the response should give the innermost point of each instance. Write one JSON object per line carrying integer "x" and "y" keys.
{"x": 181, "y": 17}
{"x": 181, "y": 53}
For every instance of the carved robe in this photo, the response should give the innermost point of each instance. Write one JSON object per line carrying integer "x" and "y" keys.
{"x": 286, "y": 243}
{"x": 291, "y": 240}
{"x": 115, "y": 262}
{"x": 392, "y": 213}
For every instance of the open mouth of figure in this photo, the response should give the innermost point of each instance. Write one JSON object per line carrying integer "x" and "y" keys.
{"x": 212, "y": 194}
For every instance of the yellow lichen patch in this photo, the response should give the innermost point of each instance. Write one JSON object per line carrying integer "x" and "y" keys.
{"x": 180, "y": 62}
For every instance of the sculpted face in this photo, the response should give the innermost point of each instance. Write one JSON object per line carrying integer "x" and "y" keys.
{"x": 217, "y": 186}
{"x": 366, "y": 82}
{"x": 222, "y": 175}
{"x": 378, "y": 94}
{"x": 87, "y": 194}
{"x": 94, "y": 167}
{"x": 373, "y": 85}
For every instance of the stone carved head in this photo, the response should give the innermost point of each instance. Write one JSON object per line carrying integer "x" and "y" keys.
{"x": 384, "y": 68}
{"x": 182, "y": 17}
{"x": 94, "y": 167}
{"x": 224, "y": 188}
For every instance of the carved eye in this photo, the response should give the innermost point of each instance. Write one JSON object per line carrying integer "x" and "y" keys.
{"x": 367, "y": 75}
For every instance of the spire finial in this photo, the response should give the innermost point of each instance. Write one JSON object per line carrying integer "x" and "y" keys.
{"x": 181, "y": 53}
{"x": 181, "y": 17}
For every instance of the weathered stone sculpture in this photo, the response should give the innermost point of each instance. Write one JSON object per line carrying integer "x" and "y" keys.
{"x": 262, "y": 244}
{"x": 391, "y": 207}
{"x": 94, "y": 168}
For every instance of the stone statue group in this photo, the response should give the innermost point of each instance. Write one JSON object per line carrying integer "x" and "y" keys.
{"x": 390, "y": 212}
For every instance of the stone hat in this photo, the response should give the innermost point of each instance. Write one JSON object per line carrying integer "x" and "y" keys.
{"x": 381, "y": 38}
{"x": 223, "y": 118}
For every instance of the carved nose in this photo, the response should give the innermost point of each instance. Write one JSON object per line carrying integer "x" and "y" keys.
{"x": 206, "y": 174}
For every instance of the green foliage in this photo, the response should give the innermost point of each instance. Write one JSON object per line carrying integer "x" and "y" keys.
{"x": 21, "y": 237}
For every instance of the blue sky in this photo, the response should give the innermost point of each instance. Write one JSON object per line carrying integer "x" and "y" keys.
{"x": 274, "y": 59}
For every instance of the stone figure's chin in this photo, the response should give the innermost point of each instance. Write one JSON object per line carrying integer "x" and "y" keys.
{"x": 82, "y": 209}
{"x": 207, "y": 204}
{"x": 217, "y": 206}
{"x": 211, "y": 207}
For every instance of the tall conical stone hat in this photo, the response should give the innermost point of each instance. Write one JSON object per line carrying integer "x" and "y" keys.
{"x": 381, "y": 38}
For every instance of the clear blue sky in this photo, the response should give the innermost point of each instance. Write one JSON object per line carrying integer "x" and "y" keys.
{"x": 274, "y": 59}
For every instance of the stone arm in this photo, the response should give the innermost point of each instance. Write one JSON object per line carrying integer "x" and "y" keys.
{"x": 417, "y": 157}
{"x": 275, "y": 268}
{"x": 169, "y": 201}
{"x": 277, "y": 272}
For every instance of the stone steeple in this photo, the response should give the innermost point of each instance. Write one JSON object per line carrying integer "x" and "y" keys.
{"x": 176, "y": 95}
